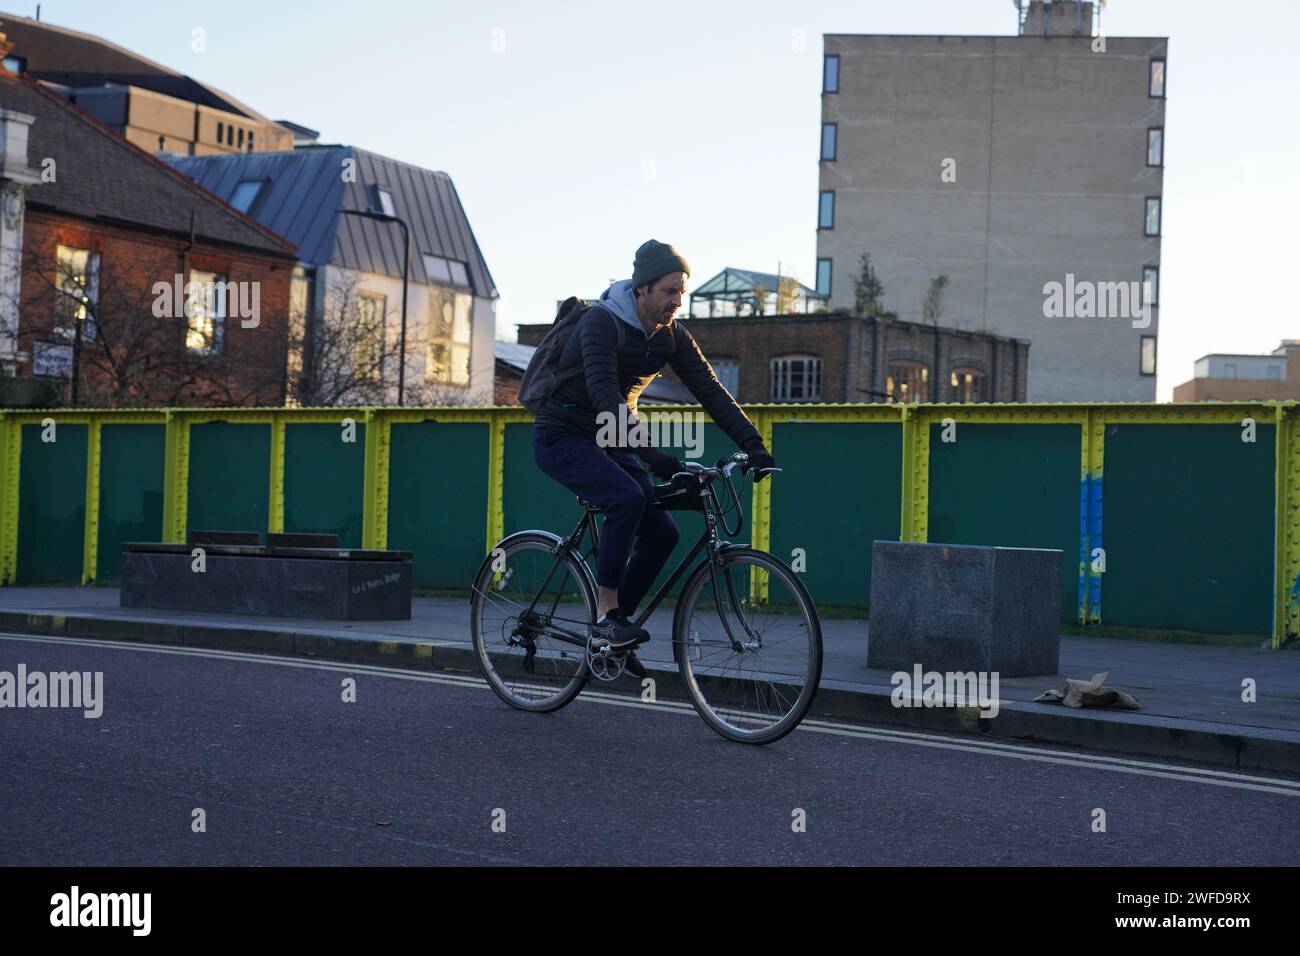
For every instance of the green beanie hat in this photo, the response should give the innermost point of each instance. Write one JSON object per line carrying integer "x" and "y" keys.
{"x": 654, "y": 260}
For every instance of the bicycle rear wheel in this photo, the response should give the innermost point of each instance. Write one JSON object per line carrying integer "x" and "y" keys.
{"x": 753, "y": 678}
{"x": 533, "y": 659}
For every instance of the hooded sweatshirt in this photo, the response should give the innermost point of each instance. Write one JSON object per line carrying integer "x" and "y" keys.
{"x": 611, "y": 375}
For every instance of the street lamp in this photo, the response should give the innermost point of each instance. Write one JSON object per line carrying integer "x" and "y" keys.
{"x": 406, "y": 271}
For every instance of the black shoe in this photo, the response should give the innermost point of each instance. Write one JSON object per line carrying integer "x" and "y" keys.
{"x": 615, "y": 631}
{"x": 634, "y": 666}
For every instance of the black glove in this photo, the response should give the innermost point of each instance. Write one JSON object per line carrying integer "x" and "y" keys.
{"x": 759, "y": 458}
{"x": 660, "y": 464}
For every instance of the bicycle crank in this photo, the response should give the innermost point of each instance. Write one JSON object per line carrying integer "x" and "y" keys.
{"x": 606, "y": 664}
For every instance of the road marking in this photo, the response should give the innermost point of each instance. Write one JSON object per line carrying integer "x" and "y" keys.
{"x": 1013, "y": 751}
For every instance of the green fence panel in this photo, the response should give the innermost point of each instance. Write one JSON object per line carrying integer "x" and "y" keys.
{"x": 52, "y": 505}
{"x": 1012, "y": 486}
{"x": 839, "y": 491}
{"x": 1187, "y": 515}
{"x": 229, "y": 477}
{"x": 131, "y": 462}
{"x": 324, "y": 480}
{"x": 437, "y": 499}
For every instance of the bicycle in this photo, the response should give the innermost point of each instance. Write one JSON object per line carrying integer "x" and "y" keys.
{"x": 534, "y": 646}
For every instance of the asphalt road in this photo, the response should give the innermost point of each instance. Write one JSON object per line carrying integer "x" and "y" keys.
{"x": 419, "y": 768}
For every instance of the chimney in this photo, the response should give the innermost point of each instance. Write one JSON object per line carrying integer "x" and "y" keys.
{"x": 14, "y": 128}
{"x": 1058, "y": 18}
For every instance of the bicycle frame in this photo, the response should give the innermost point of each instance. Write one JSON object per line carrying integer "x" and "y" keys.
{"x": 708, "y": 542}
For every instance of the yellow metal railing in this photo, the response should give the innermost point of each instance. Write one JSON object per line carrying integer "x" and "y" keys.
{"x": 915, "y": 422}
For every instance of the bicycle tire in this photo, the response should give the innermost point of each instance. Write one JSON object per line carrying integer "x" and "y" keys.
{"x": 493, "y": 649}
{"x": 686, "y": 647}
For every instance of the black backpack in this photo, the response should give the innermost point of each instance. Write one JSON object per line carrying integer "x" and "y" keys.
{"x": 544, "y": 375}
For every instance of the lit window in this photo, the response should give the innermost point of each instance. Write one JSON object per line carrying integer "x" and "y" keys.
{"x": 796, "y": 378}
{"x": 728, "y": 372}
{"x": 1153, "y": 216}
{"x": 826, "y": 210}
{"x": 907, "y": 382}
{"x": 1157, "y": 85}
{"x": 828, "y": 140}
{"x": 244, "y": 195}
{"x": 1155, "y": 147}
{"x": 1151, "y": 284}
{"x": 450, "y": 330}
{"x": 386, "y": 203}
{"x": 1149, "y": 356}
{"x": 205, "y": 312}
{"x": 968, "y": 385}
{"x": 78, "y": 281}
{"x": 823, "y": 277}
{"x": 831, "y": 74}
{"x": 369, "y": 354}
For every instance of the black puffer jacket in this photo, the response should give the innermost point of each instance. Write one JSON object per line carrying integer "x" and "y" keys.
{"x": 612, "y": 376}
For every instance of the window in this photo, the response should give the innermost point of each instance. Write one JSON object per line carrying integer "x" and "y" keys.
{"x": 245, "y": 194}
{"x": 446, "y": 271}
{"x": 1157, "y": 82}
{"x": 1151, "y": 284}
{"x": 300, "y": 309}
{"x": 241, "y": 139}
{"x": 221, "y": 131}
{"x": 828, "y": 140}
{"x": 831, "y": 74}
{"x": 1149, "y": 355}
{"x": 728, "y": 372}
{"x": 250, "y": 140}
{"x": 1153, "y": 216}
{"x": 1274, "y": 373}
{"x": 1156, "y": 146}
{"x": 205, "y": 312}
{"x": 230, "y": 135}
{"x": 826, "y": 210}
{"x": 1229, "y": 369}
{"x": 823, "y": 277}
{"x": 78, "y": 284}
{"x": 796, "y": 378}
{"x": 386, "y": 203}
{"x": 371, "y": 328}
{"x": 450, "y": 329}
{"x": 907, "y": 381}
{"x": 968, "y": 385}
{"x": 16, "y": 64}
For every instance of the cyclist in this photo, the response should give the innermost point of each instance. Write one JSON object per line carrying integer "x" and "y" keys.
{"x": 570, "y": 446}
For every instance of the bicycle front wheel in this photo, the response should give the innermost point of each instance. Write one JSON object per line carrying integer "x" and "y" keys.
{"x": 751, "y": 653}
{"x": 529, "y": 617}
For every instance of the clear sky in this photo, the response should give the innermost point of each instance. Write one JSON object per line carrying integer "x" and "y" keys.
{"x": 575, "y": 130}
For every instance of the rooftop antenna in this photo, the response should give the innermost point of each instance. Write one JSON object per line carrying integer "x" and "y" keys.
{"x": 38, "y": 12}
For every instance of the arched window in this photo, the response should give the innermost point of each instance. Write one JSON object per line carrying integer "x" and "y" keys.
{"x": 968, "y": 385}
{"x": 908, "y": 381}
{"x": 796, "y": 378}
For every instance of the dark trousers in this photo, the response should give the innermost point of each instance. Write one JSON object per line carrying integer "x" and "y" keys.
{"x": 613, "y": 480}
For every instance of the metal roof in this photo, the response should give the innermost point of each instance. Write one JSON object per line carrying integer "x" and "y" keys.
{"x": 305, "y": 188}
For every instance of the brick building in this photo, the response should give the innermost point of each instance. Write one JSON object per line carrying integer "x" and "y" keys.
{"x": 1226, "y": 377}
{"x": 122, "y": 282}
{"x": 842, "y": 358}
